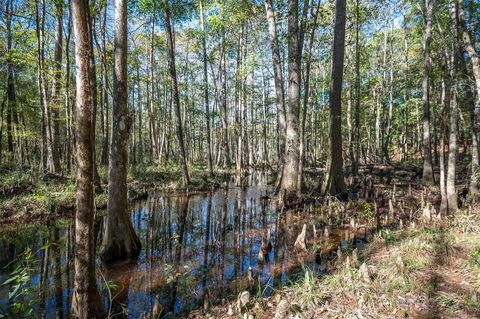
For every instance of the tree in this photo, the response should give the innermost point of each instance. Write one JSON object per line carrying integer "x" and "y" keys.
{"x": 239, "y": 108}
{"x": 93, "y": 80}
{"x": 306, "y": 85}
{"x": 151, "y": 64}
{"x": 355, "y": 149}
{"x": 40, "y": 26}
{"x": 205, "y": 90}
{"x": 86, "y": 298}
{"x": 224, "y": 79}
{"x": 56, "y": 86}
{"x": 1, "y": 127}
{"x": 69, "y": 106}
{"x": 289, "y": 184}
{"x": 427, "y": 177}
{"x": 475, "y": 61}
{"x": 452, "y": 140}
{"x": 119, "y": 240}
{"x": 104, "y": 72}
{"x": 176, "y": 97}
{"x": 278, "y": 76}
{"x": 11, "y": 94}
{"x": 334, "y": 183}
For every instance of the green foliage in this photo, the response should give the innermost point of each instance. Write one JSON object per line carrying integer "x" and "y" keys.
{"x": 110, "y": 285}
{"x": 474, "y": 257}
{"x": 27, "y": 192}
{"x": 387, "y": 235}
{"x": 21, "y": 297}
{"x": 367, "y": 211}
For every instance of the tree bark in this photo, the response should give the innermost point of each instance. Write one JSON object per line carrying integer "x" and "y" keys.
{"x": 405, "y": 104}
{"x": 68, "y": 107}
{"x": 86, "y": 301}
{"x": 452, "y": 144}
{"x": 93, "y": 80}
{"x": 151, "y": 64}
{"x": 475, "y": 60}
{"x": 289, "y": 183}
{"x": 1, "y": 127}
{"x": 176, "y": 97}
{"x": 427, "y": 177}
{"x": 11, "y": 96}
{"x": 119, "y": 240}
{"x": 388, "y": 133}
{"x": 56, "y": 86}
{"x": 223, "y": 65}
{"x": 40, "y": 25}
{"x": 265, "y": 158}
{"x": 356, "y": 128}
{"x": 278, "y": 75}
{"x": 443, "y": 170}
{"x": 239, "y": 110}
{"x": 205, "y": 90}
{"x": 306, "y": 97}
{"x": 105, "y": 128}
{"x": 334, "y": 183}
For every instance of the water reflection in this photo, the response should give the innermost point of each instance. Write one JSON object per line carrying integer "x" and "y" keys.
{"x": 197, "y": 251}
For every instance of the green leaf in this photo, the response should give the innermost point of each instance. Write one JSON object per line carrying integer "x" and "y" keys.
{"x": 14, "y": 292}
{"x": 11, "y": 279}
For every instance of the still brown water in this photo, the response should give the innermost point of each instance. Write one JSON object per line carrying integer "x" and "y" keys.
{"x": 197, "y": 249}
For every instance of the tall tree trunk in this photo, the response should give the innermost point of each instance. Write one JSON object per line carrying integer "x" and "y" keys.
{"x": 475, "y": 60}
{"x": 93, "y": 80}
{"x": 105, "y": 128}
{"x": 119, "y": 240}
{"x": 388, "y": 133}
{"x": 405, "y": 104}
{"x": 349, "y": 98}
{"x": 443, "y": 170}
{"x": 239, "y": 109}
{"x": 382, "y": 97}
{"x": 139, "y": 110}
{"x": 11, "y": 96}
{"x": 289, "y": 184}
{"x": 378, "y": 119}
{"x": 1, "y": 127}
{"x": 86, "y": 301}
{"x": 223, "y": 64}
{"x": 46, "y": 116}
{"x": 306, "y": 97}
{"x": 427, "y": 177}
{"x": 56, "y": 86}
{"x": 68, "y": 109}
{"x": 356, "y": 127}
{"x": 176, "y": 97}
{"x": 205, "y": 90}
{"x": 278, "y": 76}
{"x": 452, "y": 144}
{"x": 443, "y": 189}
{"x": 334, "y": 183}
{"x": 265, "y": 158}
{"x": 151, "y": 64}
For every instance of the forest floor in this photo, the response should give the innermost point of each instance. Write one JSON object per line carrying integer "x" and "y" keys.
{"x": 428, "y": 270}
{"x": 27, "y": 196}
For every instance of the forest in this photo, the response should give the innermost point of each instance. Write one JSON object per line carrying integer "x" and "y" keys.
{"x": 239, "y": 159}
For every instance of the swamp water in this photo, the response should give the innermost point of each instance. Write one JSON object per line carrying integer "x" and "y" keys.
{"x": 196, "y": 250}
